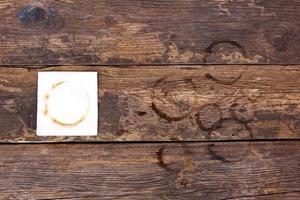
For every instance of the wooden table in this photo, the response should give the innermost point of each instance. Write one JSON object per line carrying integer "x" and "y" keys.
{"x": 197, "y": 99}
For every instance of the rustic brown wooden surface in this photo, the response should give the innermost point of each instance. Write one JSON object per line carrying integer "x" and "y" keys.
{"x": 219, "y": 171}
{"x": 148, "y": 32}
{"x": 160, "y": 91}
{"x": 169, "y": 103}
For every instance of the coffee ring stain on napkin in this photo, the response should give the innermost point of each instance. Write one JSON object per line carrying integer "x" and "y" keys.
{"x": 55, "y": 118}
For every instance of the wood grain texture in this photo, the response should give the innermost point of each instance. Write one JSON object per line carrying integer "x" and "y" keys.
{"x": 207, "y": 171}
{"x": 183, "y": 103}
{"x": 124, "y": 32}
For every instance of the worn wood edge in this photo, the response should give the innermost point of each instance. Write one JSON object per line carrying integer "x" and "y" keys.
{"x": 223, "y": 171}
{"x": 129, "y": 112}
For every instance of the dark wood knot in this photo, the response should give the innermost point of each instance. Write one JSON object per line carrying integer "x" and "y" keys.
{"x": 31, "y": 15}
{"x": 40, "y": 17}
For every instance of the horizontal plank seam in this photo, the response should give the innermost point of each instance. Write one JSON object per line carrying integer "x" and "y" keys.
{"x": 260, "y": 195}
{"x": 150, "y": 142}
{"x": 33, "y": 67}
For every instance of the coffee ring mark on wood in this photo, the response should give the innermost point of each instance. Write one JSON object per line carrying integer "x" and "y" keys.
{"x": 230, "y": 82}
{"x": 168, "y": 100}
{"x": 209, "y": 50}
{"x": 242, "y": 110}
{"x": 209, "y": 117}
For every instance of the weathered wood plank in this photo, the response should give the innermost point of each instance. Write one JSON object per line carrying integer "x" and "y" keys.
{"x": 220, "y": 171}
{"x": 169, "y": 103}
{"x": 149, "y": 32}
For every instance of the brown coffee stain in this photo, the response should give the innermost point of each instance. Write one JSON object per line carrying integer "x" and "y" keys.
{"x": 165, "y": 104}
{"x": 224, "y": 82}
{"x": 214, "y": 154}
{"x": 165, "y": 116}
{"x": 160, "y": 159}
{"x": 209, "y": 117}
{"x": 69, "y": 125}
{"x": 55, "y": 85}
{"x": 54, "y": 120}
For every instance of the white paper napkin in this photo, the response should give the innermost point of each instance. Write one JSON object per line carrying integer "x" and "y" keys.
{"x": 67, "y": 104}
